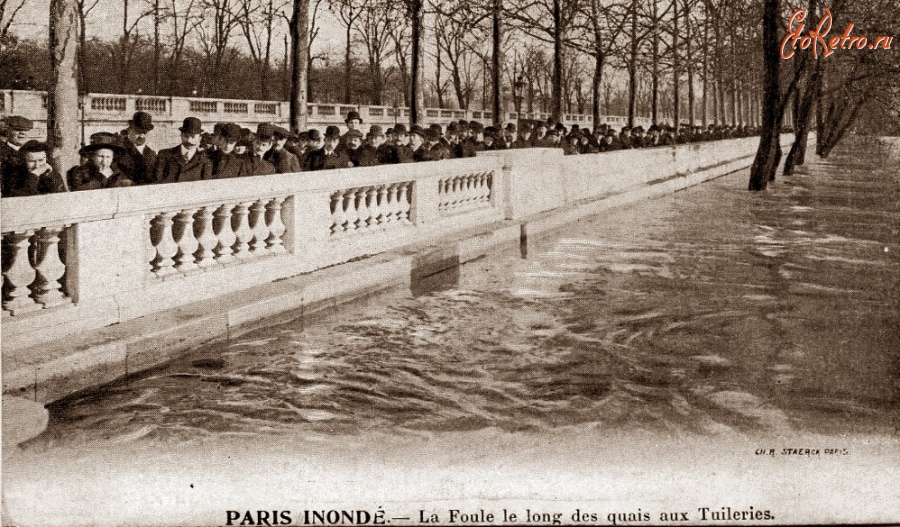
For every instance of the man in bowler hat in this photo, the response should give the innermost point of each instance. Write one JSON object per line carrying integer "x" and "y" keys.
{"x": 138, "y": 160}
{"x": 185, "y": 162}
{"x": 329, "y": 156}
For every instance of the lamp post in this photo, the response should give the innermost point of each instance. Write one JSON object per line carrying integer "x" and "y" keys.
{"x": 517, "y": 97}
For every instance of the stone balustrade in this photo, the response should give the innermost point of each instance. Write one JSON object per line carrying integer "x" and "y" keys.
{"x": 84, "y": 260}
{"x": 111, "y": 112}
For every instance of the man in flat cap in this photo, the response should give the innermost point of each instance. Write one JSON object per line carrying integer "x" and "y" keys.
{"x": 226, "y": 162}
{"x": 185, "y": 162}
{"x": 137, "y": 160}
{"x": 36, "y": 176}
{"x": 284, "y": 161}
{"x": 433, "y": 149}
{"x": 261, "y": 143}
{"x": 360, "y": 155}
{"x": 329, "y": 157}
{"x": 314, "y": 141}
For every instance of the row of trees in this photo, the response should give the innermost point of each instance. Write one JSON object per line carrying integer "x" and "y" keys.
{"x": 826, "y": 93}
{"x": 697, "y": 60}
{"x": 669, "y": 59}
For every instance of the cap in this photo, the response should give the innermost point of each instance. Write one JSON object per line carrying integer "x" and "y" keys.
{"x": 231, "y": 132}
{"x": 17, "y": 123}
{"x": 281, "y": 132}
{"x": 265, "y": 131}
{"x": 351, "y": 134}
{"x": 33, "y": 146}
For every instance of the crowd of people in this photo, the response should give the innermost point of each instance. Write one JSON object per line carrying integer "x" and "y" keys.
{"x": 123, "y": 159}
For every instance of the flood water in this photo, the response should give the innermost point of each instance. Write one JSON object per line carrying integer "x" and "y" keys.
{"x": 710, "y": 311}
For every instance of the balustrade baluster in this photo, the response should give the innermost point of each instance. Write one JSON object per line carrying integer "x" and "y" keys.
{"x": 391, "y": 206}
{"x": 183, "y": 233}
{"x": 337, "y": 213}
{"x": 259, "y": 227}
{"x": 454, "y": 195}
{"x": 350, "y": 210}
{"x": 206, "y": 236}
{"x": 275, "y": 241}
{"x": 19, "y": 274}
{"x": 403, "y": 198}
{"x": 379, "y": 195}
{"x": 166, "y": 248}
{"x": 49, "y": 267}
{"x": 242, "y": 231}
{"x": 362, "y": 209}
{"x": 442, "y": 195}
{"x": 224, "y": 233}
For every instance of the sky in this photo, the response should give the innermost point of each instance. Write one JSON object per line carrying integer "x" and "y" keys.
{"x": 105, "y": 21}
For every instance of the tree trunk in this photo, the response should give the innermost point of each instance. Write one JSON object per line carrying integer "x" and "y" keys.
{"x": 62, "y": 95}
{"x": 632, "y": 65}
{"x": 300, "y": 62}
{"x": 767, "y": 155}
{"x": 157, "y": 46}
{"x": 496, "y": 51}
{"x": 654, "y": 76}
{"x": 417, "y": 13}
{"x": 598, "y": 79}
{"x": 347, "y": 66}
{"x": 556, "y": 110}
{"x": 690, "y": 60}
{"x": 803, "y": 120}
{"x": 676, "y": 72}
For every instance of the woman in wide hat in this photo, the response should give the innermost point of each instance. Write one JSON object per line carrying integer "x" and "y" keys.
{"x": 100, "y": 170}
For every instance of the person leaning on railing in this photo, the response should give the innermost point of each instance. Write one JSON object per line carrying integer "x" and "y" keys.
{"x": 99, "y": 170}
{"x": 35, "y": 176}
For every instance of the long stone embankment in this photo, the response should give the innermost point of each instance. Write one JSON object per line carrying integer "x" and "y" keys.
{"x": 103, "y": 284}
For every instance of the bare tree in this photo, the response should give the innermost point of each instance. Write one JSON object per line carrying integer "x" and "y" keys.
{"x": 299, "y": 29}
{"x": 127, "y": 43}
{"x": 348, "y": 11}
{"x": 8, "y": 11}
{"x": 219, "y": 20}
{"x": 376, "y": 23}
{"x": 62, "y": 96}
{"x": 184, "y": 23}
{"x": 257, "y": 21}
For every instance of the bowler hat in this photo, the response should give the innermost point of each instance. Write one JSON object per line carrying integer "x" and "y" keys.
{"x": 432, "y": 135}
{"x": 191, "y": 125}
{"x": 353, "y": 114}
{"x": 314, "y": 134}
{"x": 417, "y": 130}
{"x": 141, "y": 121}
{"x": 375, "y": 131}
{"x": 101, "y": 141}
{"x": 332, "y": 131}
{"x": 400, "y": 129}
{"x": 17, "y": 123}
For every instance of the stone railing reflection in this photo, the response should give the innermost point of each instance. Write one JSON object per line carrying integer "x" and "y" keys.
{"x": 187, "y": 240}
{"x": 369, "y": 209}
{"x": 34, "y": 269}
{"x": 464, "y": 193}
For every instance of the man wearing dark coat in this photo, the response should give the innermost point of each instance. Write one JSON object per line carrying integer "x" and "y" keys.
{"x": 100, "y": 171}
{"x": 260, "y": 144}
{"x": 361, "y": 155}
{"x": 313, "y": 142}
{"x": 137, "y": 160}
{"x": 283, "y": 160}
{"x": 226, "y": 162}
{"x": 35, "y": 176}
{"x": 328, "y": 157}
{"x": 11, "y": 160}
{"x": 185, "y": 162}
{"x": 405, "y": 153}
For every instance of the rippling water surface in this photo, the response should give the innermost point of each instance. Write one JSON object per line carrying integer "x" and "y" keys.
{"x": 706, "y": 312}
